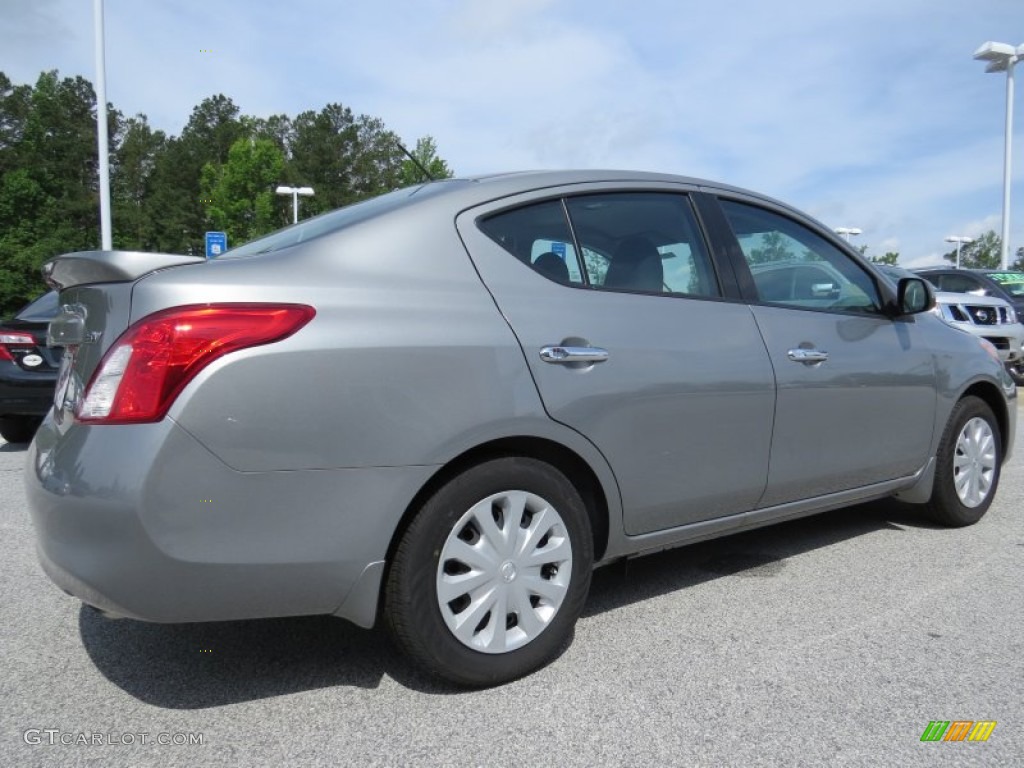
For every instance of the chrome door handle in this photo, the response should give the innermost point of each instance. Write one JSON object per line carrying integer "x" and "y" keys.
{"x": 560, "y": 354}
{"x": 807, "y": 356}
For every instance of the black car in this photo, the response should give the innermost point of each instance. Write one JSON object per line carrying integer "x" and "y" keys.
{"x": 1007, "y": 285}
{"x": 28, "y": 369}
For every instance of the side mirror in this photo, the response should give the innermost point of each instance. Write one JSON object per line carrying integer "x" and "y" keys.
{"x": 914, "y": 295}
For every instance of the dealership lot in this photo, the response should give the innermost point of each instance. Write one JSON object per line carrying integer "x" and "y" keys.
{"x": 835, "y": 639}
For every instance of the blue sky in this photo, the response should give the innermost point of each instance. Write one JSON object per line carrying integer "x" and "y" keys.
{"x": 867, "y": 114}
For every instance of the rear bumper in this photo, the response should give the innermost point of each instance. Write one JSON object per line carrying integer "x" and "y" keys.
{"x": 143, "y": 522}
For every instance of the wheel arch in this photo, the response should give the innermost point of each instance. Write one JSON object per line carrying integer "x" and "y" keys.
{"x": 576, "y": 469}
{"x": 994, "y": 399}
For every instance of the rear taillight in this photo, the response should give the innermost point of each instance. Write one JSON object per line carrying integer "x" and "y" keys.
{"x": 12, "y": 339}
{"x": 145, "y": 369}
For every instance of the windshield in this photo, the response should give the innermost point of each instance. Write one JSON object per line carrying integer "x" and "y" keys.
{"x": 1011, "y": 282}
{"x": 339, "y": 219}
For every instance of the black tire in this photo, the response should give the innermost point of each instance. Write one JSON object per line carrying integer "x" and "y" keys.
{"x": 1016, "y": 371}
{"x": 19, "y": 429}
{"x": 945, "y": 506}
{"x": 412, "y": 604}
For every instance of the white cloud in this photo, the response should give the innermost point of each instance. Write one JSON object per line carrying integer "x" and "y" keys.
{"x": 872, "y": 115}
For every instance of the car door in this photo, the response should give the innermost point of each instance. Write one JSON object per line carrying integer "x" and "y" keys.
{"x": 856, "y": 388}
{"x": 633, "y": 342}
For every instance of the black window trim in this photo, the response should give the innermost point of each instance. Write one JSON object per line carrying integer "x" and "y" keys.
{"x": 723, "y": 274}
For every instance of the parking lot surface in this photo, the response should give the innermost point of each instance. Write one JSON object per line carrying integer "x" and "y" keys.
{"x": 828, "y": 641}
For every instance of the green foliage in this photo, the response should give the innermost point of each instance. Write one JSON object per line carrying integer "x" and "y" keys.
{"x": 983, "y": 253}
{"x": 426, "y": 154}
{"x": 889, "y": 257}
{"x": 49, "y": 188}
{"x": 239, "y": 194}
{"x": 773, "y": 248}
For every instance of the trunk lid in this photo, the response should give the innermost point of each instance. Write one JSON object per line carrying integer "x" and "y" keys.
{"x": 95, "y": 307}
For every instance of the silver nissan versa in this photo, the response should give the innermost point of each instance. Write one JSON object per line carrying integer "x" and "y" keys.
{"x": 444, "y": 406}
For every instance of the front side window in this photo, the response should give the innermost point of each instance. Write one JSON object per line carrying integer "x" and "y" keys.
{"x": 793, "y": 265}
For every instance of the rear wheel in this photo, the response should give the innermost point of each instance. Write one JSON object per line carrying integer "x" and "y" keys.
{"x": 19, "y": 429}
{"x": 969, "y": 459}
{"x": 488, "y": 580}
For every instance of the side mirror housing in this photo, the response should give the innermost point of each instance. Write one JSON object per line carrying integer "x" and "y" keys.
{"x": 913, "y": 296}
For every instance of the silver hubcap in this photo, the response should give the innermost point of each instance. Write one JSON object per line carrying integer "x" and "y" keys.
{"x": 504, "y": 571}
{"x": 974, "y": 462}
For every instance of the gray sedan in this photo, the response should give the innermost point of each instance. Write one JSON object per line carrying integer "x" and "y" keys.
{"x": 445, "y": 406}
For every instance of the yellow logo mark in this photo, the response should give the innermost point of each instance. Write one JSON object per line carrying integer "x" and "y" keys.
{"x": 206, "y": 50}
{"x": 206, "y": 501}
{"x": 982, "y": 730}
{"x": 206, "y": 650}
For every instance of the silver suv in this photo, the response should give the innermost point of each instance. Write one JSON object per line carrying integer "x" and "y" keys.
{"x": 987, "y": 317}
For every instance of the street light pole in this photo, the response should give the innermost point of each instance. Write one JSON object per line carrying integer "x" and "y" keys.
{"x": 1000, "y": 57}
{"x": 847, "y": 231}
{"x": 295, "y": 192}
{"x": 959, "y": 240}
{"x": 101, "y": 128}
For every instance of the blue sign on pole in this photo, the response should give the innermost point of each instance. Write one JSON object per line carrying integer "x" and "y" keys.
{"x": 216, "y": 244}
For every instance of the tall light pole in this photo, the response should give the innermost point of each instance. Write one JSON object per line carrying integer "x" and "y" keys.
{"x": 1001, "y": 57}
{"x": 101, "y": 128}
{"x": 847, "y": 231}
{"x": 295, "y": 192}
{"x": 959, "y": 240}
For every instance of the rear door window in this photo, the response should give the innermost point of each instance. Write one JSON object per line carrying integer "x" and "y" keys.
{"x": 642, "y": 241}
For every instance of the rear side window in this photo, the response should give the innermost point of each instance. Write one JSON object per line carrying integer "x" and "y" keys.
{"x": 538, "y": 235}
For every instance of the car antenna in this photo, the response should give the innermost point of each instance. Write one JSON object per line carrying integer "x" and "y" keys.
{"x": 415, "y": 161}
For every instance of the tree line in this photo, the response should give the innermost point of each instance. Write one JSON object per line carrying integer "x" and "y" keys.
{"x": 167, "y": 191}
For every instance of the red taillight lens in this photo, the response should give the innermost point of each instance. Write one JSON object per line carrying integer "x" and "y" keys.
{"x": 15, "y": 340}
{"x": 145, "y": 369}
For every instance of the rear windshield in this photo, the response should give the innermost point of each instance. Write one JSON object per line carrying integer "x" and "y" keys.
{"x": 42, "y": 310}
{"x": 1011, "y": 282}
{"x": 339, "y": 219}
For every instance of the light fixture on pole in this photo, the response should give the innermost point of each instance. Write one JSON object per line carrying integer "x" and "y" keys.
{"x": 295, "y": 192}
{"x": 847, "y": 231}
{"x": 101, "y": 127}
{"x": 959, "y": 240}
{"x": 1001, "y": 57}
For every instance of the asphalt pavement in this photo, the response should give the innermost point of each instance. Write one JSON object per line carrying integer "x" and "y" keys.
{"x": 828, "y": 641}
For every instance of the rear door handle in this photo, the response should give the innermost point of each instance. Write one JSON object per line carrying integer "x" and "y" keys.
{"x": 560, "y": 354}
{"x": 807, "y": 356}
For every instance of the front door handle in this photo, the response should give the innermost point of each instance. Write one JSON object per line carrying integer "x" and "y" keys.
{"x": 559, "y": 354}
{"x": 807, "y": 356}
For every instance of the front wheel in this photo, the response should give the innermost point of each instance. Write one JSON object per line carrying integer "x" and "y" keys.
{"x": 969, "y": 459}
{"x": 488, "y": 580}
